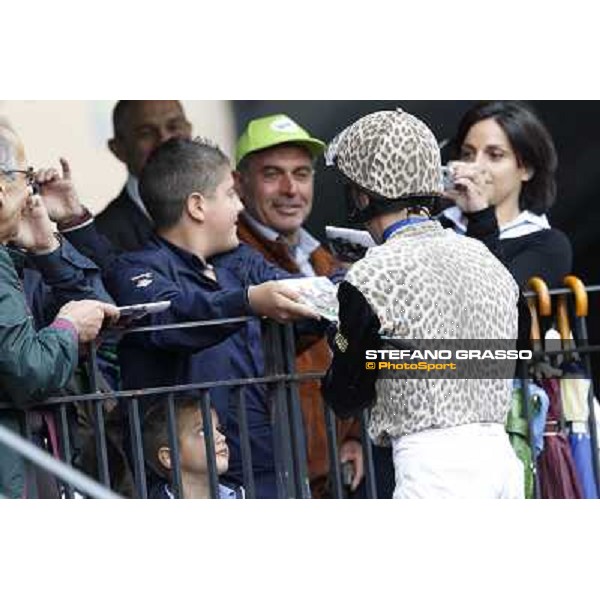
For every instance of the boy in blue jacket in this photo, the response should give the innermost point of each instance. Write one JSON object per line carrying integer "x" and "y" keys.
{"x": 189, "y": 192}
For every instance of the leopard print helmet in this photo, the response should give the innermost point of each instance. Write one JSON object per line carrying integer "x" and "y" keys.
{"x": 390, "y": 153}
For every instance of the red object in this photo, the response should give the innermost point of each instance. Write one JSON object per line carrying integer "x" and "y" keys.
{"x": 556, "y": 467}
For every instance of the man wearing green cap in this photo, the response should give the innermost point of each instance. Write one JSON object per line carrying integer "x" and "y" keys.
{"x": 275, "y": 181}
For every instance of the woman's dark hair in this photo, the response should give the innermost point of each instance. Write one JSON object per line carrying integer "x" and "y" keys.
{"x": 530, "y": 141}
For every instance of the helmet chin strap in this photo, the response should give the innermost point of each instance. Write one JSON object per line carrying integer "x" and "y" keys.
{"x": 415, "y": 205}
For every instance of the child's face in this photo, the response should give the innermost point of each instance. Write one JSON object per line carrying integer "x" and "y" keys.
{"x": 192, "y": 447}
{"x": 221, "y": 213}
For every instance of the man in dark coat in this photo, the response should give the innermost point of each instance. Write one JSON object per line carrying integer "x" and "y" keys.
{"x": 139, "y": 127}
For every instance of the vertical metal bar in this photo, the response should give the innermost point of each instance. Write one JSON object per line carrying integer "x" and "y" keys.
{"x": 65, "y": 444}
{"x": 137, "y": 447}
{"x": 245, "y": 448}
{"x": 281, "y": 433}
{"x": 176, "y": 487}
{"x": 335, "y": 474}
{"x": 581, "y": 329}
{"x": 31, "y": 488}
{"x": 99, "y": 430}
{"x": 283, "y": 456}
{"x": 101, "y": 451}
{"x": 209, "y": 441}
{"x": 368, "y": 456}
{"x": 297, "y": 430}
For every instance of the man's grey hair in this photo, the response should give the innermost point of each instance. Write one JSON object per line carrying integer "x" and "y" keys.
{"x": 175, "y": 170}
{"x": 7, "y": 146}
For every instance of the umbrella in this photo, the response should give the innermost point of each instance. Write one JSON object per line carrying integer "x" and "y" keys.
{"x": 576, "y": 387}
{"x": 520, "y": 430}
{"x": 556, "y": 468}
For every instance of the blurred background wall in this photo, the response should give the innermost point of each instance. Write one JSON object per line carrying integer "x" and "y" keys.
{"x": 79, "y": 130}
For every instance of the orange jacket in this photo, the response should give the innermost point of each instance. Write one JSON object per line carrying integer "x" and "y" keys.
{"x": 312, "y": 355}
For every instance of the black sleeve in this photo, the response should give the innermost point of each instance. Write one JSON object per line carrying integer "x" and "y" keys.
{"x": 547, "y": 255}
{"x": 94, "y": 245}
{"x": 348, "y": 386}
{"x": 483, "y": 226}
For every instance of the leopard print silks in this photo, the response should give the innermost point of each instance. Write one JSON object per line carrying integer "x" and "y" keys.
{"x": 391, "y": 153}
{"x": 429, "y": 283}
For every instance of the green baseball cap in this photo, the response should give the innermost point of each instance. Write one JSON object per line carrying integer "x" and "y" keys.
{"x": 273, "y": 130}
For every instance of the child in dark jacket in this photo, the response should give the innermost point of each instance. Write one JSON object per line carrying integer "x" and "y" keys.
{"x": 193, "y": 449}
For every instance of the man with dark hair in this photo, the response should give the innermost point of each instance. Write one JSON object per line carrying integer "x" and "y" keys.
{"x": 189, "y": 192}
{"x": 139, "y": 126}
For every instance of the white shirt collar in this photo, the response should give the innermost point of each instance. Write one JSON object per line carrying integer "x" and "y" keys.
{"x": 132, "y": 187}
{"x": 525, "y": 223}
{"x": 265, "y": 231}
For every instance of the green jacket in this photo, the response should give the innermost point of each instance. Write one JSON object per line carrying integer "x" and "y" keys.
{"x": 33, "y": 365}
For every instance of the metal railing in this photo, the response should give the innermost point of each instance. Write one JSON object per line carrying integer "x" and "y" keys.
{"x": 289, "y": 440}
{"x": 59, "y": 469}
{"x": 281, "y": 382}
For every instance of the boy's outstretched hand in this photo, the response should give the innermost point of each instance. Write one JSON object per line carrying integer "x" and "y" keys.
{"x": 275, "y": 300}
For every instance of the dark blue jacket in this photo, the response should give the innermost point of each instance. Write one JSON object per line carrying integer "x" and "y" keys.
{"x": 162, "y": 271}
{"x": 52, "y": 280}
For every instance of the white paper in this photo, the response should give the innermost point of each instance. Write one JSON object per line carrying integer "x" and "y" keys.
{"x": 349, "y": 245}
{"x": 317, "y": 292}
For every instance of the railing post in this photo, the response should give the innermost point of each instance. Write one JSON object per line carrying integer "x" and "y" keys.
{"x": 137, "y": 447}
{"x": 177, "y": 488}
{"x": 332, "y": 446}
{"x": 245, "y": 447}
{"x": 368, "y": 456}
{"x": 99, "y": 430}
{"x": 65, "y": 443}
{"x": 281, "y": 432}
{"x": 297, "y": 426}
{"x": 209, "y": 440}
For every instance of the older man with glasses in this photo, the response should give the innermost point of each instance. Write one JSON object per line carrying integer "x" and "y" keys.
{"x": 33, "y": 364}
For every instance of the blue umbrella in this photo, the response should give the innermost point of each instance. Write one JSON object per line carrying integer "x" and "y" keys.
{"x": 576, "y": 387}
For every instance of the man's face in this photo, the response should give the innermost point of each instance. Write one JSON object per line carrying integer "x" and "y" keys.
{"x": 277, "y": 187}
{"x": 221, "y": 211}
{"x": 147, "y": 125}
{"x": 14, "y": 188}
{"x": 193, "y": 447}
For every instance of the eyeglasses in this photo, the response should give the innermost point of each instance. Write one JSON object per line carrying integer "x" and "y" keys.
{"x": 29, "y": 174}
{"x": 29, "y": 177}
